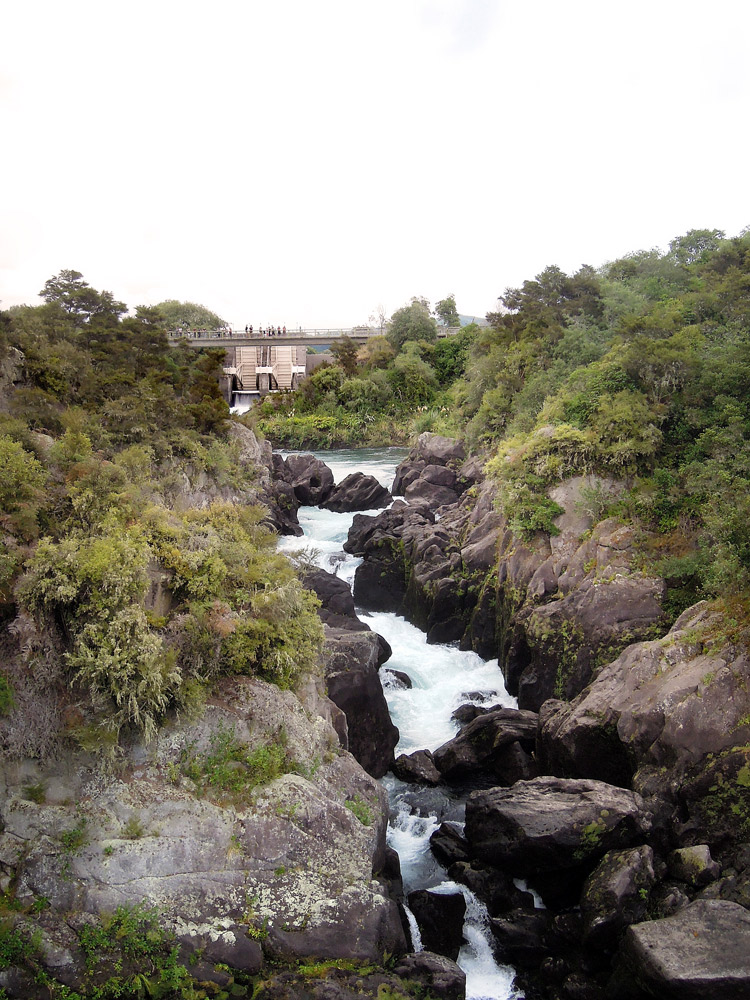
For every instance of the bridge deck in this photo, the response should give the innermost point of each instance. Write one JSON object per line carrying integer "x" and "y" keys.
{"x": 308, "y": 338}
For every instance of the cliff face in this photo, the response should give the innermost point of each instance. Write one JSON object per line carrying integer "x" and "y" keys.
{"x": 553, "y": 609}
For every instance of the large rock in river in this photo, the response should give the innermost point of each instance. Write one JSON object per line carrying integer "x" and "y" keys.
{"x": 549, "y": 824}
{"x": 311, "y": 479}
{"x": 351, "y": 665}
{"x": 357, "y": 492}
{"x": 493, "y": 744}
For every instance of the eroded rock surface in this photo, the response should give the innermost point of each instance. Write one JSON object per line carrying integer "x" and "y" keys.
{"x": 496, "y": 743}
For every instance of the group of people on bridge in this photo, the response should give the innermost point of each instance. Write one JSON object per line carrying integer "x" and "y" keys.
{"x": 270, "y": 331}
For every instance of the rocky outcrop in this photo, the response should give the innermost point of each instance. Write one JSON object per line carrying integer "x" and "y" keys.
{"x": 616, "y": 894}
{"x": 236, "y": 869}
{"x": 422, "y": 974}
{"x": 430, "y": 450}
{"x": 436, "y": 974}
{"x": 417, "y": 768}
{"x": 672, "y": 716}
{"x": 351, "y": 667}
{"x": 553, "y": 608}
{"x": 357, "y": 492}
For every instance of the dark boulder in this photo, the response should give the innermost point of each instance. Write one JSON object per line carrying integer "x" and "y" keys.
{"x": 467, "y": 713}
{"x": 283, "y": 506}
{"x": 448, "y": 845}
{"x": 552, "y": 824}
{"x": 337, "y": 607}
{"x": 417, "y": 768}
{"x": 702, "y": 951}
{"x": 357, "y": 492}
{"x": 351, "y": 668}
{"x": 334, "y": 593}
{"x": 486, "y": 745}
{"x": 616, "y": 894}
{"x": 438, "y": 975}
{"x": 311, "y": 479}
{"x": 521, "y": 937}
{"x": 424, "y": 492}
{"x": 494, "y": 888}
{"x": 440, "y": 918}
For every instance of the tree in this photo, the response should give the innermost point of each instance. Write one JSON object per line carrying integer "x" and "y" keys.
{"x": 77, "y": 298}
{"x": 412, "y": 322}
{"x": 446, "y": 310}
{"x": 345, "y": 353}
{"x": 695, "y": 245}
{"x": 188, "y": 315}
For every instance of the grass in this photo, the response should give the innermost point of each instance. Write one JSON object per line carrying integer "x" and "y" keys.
{"x": 231, "y": 766}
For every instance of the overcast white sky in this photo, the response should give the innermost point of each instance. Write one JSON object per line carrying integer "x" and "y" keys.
{"x": 300, "y": 162}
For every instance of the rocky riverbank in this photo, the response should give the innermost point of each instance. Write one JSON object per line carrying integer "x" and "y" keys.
{"x": 619, "y": 789}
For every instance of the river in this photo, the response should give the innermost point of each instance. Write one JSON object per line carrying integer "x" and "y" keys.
{"x": 443, "y": 677}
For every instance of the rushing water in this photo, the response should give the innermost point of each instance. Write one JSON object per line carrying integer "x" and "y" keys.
{"x": 443, "y": 677}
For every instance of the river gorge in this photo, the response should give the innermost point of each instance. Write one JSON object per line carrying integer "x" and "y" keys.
{"x": 442, "y": 679}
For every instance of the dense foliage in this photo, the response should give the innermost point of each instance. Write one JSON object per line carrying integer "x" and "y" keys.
{"x": 104, "y": 427}
{"x": 637, "y": 371}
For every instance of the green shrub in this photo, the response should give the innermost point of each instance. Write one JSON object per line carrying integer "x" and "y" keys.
{"x": 127, "y": 670}
{"x": 230, "y": 765}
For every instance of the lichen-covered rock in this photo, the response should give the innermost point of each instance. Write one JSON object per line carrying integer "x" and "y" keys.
{"x": 661, "y": 707}
{"x": 437, "y": 974}
{"x": 694, "y": 865}
{"x": 288, "y": 863}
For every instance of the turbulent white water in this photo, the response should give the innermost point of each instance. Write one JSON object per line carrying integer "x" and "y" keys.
{"x": 443, "y": 677}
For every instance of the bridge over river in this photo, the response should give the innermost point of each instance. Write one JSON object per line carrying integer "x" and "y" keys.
{"x": 316, "y": 339}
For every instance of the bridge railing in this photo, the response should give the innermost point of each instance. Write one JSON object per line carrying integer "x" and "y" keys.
{"x": 318, "y": 333}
